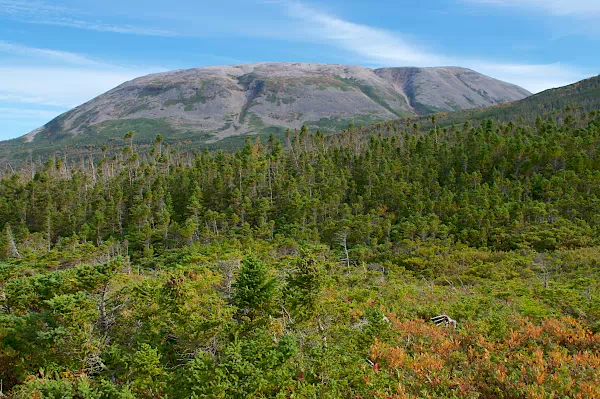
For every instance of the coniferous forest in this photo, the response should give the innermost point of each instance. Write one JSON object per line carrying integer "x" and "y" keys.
{"x": 310, "y": 267}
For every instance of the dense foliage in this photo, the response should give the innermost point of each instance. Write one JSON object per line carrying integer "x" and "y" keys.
{"x": 310, "y": 271}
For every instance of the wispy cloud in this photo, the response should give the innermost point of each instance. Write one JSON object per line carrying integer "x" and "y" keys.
{"x": 59, "y": 86}
{"x": 26, "y": 113}
{"x": 373, "y": 43}
{"x": 583, "y": 8}
{"x": 56, "y": 78}
{"x": 42, "y": 13}
{"x": 31, "y": 96}
{"x": 533, "y": 77}
{"x": 37, "y": 84}
{"x": 385, "y": 48}
{"x": 80, "y": 24}
{"x": 56, "y": 55}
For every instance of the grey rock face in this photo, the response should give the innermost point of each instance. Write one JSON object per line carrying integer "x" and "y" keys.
{"x": 450, "y": 88}
{"x": 254, "y": 98}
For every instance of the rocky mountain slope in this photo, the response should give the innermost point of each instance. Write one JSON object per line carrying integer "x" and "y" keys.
{"x": 449, "y": 89}
{"x": 213, "y": 103}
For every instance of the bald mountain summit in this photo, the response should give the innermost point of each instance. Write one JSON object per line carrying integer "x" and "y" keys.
{"x": 214, "y": 103}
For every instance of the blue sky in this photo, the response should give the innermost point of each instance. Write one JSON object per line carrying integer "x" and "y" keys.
{"x": 55, "y": 55}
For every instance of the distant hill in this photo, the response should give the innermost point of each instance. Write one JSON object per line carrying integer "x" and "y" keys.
{"x": 584, "y": 95}
{"x": 206, "y": 105}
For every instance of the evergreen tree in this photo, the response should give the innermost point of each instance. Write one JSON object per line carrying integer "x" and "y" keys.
{"x": 254, "y": 289}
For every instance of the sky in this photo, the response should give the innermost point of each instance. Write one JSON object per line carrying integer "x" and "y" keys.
{"x": 55, "y": 55}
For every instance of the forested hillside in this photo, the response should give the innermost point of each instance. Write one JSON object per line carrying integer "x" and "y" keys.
{"x": 310, "y": 268}
{"x": 551, "y": 103}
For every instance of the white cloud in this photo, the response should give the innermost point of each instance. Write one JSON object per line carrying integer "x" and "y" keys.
{"x": 585, "y": 8}
{"x": 55, "y": 78}
{"x": 59, "y": 86}
{"x": 373, "y": 43}
{"x": 31, "y": 96}
{"x": 534, "y": 78}
{"x": 26, "y": 113}
{"x": 37, "y": 84}
{"x": 42, "y": 13}
{"x": 386, "y": 48}
{"x": 49, "y": 82}
{"x": 21, "y": 98}
{"x": 80, "y": 24}
{"x": 57, "y": 55}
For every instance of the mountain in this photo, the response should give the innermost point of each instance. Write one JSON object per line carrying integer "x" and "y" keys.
{"x": 213, "y": 103}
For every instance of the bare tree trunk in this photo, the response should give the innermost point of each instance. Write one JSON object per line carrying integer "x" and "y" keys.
{"x": 269, "y": 177}
{"x": 13, "y": 251}
{"x": 102, "y": 307}
{"x": 49, "y": 232}
{"x": 343, "y": 240}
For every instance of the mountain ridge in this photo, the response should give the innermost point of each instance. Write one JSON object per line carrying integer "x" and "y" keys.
{"x": 225, "y": 101}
